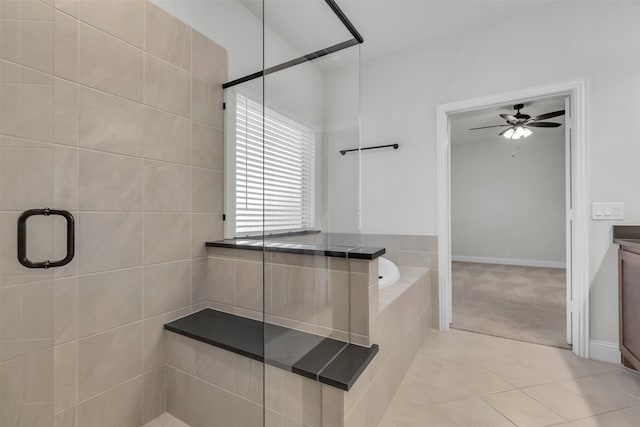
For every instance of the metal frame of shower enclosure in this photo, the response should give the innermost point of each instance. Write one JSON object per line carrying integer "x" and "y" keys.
{"x": 357, "y": 39}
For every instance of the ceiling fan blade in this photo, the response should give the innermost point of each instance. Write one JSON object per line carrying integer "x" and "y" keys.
{"x": 510, "y": 118}
{"x": 544, "y": 125}
{"x": 487, "y": 127}
{"x": 549, "y": 115}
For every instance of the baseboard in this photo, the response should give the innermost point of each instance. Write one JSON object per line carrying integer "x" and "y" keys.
{"x": 510, "y": 261}
{"x": 604, "y": 351}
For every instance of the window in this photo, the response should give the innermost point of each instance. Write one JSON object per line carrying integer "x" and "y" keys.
{"x": 278, "y": 181}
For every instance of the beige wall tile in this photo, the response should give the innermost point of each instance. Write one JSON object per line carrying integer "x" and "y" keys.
{"x": 64, "y": 314}
{"x": 20, "y": 188}
{"x": 181, "y": 352}
{"x": 207, "y": 147}
{"x": 66, "y": 113}
{"x": 207, "y": 191}
{"x": 199, "y": 291}
{"x": 28, "y": 43}
{"x": 109, "y": 300}
{"x": 206, "y": 106}
{"x": 292, "y": 292}
{"x": 64, "y": 376}
{"x": 39, "y": 242}
{"x": 359, "y": 287}
{"x": 249, "y": 285}
{"x": 167, "y": 87}
{"x": 179, "y": 393}
{"x": 108, "y": 359}
{"x": 166, "y": 287}
{"x": 332, "y": 300}
{"x": 27, "y": 111}
{"x": 246, "y": 413}
{"x": 68, "y": 6}
{"x": 273, "y": 387}
{"x": 215, "y": 366}
{"x": 28, "y": 380}
{"x": 204, "y": 228}
{"x": 166, "y": 237}
{"x": 167, "y": 37}
{"x": 109, "y": 241}
{"x": 221, "y": 280}
{"x": 65, "y": 418}
{"x": 110, "y": 182}
{"x": 249, "y": 379}
{"x": 153, "y": 394}
{"x": 65, "y": 179}
{"x": 36, "y": 10}
{"x": 37, "y": 311}
{"x": 60, "y": 243}
{"x": 303, "y": 397}
{"x": 153, "y": 351}
{"x": 66, "y": 47}
{"x": 166, "y": 137}
{"x": 332, "y": 406}
{"x": 209, "y": 60}
{"x": 166, "y": 187}
{"x": 109, "y": 123}
{"x": 121, "y": 18}
{"x": 109, "y": 64}
{"x": 120, "y": 406}
{"x": 205, "y": 406}
{"x": 13, "y": 73}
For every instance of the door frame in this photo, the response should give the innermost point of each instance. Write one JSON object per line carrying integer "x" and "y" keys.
{"x": 575, "y": 119}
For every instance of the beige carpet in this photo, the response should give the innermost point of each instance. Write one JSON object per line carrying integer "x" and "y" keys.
{"x": 522, "y": 303}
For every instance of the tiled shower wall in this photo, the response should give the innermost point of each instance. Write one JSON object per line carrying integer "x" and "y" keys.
{"x": 113, "y": 111}
{"x": 317, "y": 294}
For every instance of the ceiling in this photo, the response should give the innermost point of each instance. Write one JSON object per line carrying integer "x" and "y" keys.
{"x": 462, "y": 122}
{"x": 386, "y": 25}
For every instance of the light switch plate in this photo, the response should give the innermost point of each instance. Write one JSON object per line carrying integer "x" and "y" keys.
{"x": 611, "y": 211}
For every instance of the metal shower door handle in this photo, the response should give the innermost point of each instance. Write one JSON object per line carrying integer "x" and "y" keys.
{"x": 22, "y": 238}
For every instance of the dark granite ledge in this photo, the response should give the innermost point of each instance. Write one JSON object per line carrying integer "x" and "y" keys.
{"x": 300, "y": 248}
{"x": 329, "y": 361}
{"x": 627, "y": 235}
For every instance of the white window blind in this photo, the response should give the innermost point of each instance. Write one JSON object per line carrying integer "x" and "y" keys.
{"x": 275, "y": 183}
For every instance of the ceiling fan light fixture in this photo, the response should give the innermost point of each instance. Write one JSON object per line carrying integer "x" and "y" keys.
{"x": 527, "y": 132}
{"x": 509, "y": 133}
{"x": 519, "y": 133}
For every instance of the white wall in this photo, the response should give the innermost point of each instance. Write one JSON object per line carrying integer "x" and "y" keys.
{"x": 509, "y": 207}
{"x": 564, "y": 40}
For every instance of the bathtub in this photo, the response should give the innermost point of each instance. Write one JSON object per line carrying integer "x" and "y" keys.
{"x": 388, "y": 273}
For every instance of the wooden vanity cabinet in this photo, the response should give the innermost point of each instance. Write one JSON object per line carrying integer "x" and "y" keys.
{"x": 629, "y": 294}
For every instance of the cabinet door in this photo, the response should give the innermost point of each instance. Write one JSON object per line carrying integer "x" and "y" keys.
{"x": 629, "y": 272}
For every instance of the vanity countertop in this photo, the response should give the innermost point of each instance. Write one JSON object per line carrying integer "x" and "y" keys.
{"x": 627, "y": 235}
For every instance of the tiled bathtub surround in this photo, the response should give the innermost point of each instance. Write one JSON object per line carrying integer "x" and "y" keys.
{"x": 404, "y": 250}
{"x": 399, "y": 328}
{"x": 112, "y": 110}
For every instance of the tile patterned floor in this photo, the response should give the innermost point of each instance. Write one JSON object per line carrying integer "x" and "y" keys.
{"x": 464, "y": 379}
{"x": 523, "y": 303}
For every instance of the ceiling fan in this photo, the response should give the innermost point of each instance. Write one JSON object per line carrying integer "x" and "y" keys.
{"x": 518, "y": 124}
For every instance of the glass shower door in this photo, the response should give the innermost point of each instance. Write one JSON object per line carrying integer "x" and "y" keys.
{"x": 29, "y": 170}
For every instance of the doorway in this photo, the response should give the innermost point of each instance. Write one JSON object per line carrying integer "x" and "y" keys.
{"x": 576, "y": 212}
{"x": 508, "y": 221}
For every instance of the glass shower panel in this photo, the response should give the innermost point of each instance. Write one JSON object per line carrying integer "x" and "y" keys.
{"x": 27, "y": 181}
{"x": 311, "y": 193}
